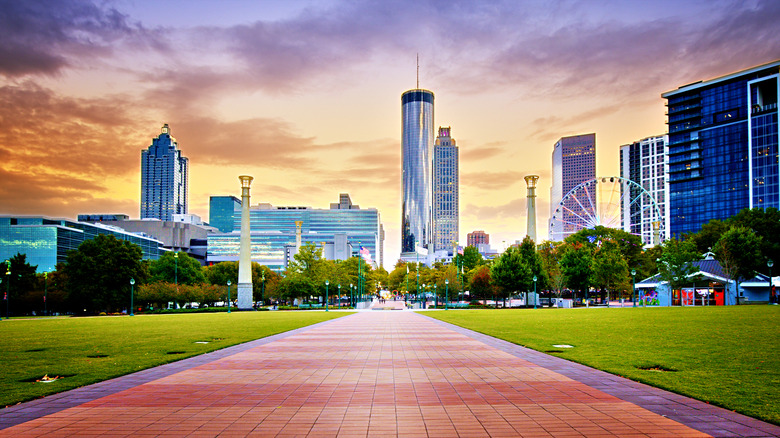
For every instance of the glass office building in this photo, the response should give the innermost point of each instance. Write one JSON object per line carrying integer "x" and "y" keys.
{"x": 645, "y": 163}
{"x": 723, "y": 154}
{"x": 445, "y": 191}
{"x": 221, "y": 212}
{"x": 416, "y": 143}
{"x": 46, "y": 241}
{"x": 573, "y": 161}
{"x": 164, "y": 178}
{"x": 273, "y": 230}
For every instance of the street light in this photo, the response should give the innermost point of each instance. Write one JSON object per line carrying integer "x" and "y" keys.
{"x": 326, "y": 294}
{"x": 633, "y": 290}
{"x": 229, "y": 283}
{"x": 176, "y": 270}
{"x": 769, "y": 264}
{"x": 535, "y": 300}
{"x": 262, "y": 289}
{"x": 132, "y": 282}
{"x": 436, "y": 295}
{"x": 7, "y": 287}
{"x": 339, "y": 295}
{"x": 446, "y": 293}
{"x": 351, "y": 296}
{"x": 424, "y": 296}
{"x": 45, "y": 286}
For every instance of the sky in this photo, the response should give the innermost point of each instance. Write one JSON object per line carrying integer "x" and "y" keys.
{"x": 306, "y": 95}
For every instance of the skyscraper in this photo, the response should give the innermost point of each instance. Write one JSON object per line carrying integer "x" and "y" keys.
{"x": 222, "y": 210}
{"x": 164, "y": 177}
{"x": 446, "y": 207}
{"x": 478, "y": 237}
{"x": 573, "y": 161}
{"x": 416, "y": 143}
{"x": 645, "y": 163}
{"x": 723, "y": 147}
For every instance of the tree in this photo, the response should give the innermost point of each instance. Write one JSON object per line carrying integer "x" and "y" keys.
{"x": 610, "y": 270}
{"x": 99, "y": 272}
{"x": 709, "y": 234}
{"x": 739, "y": 254}
{"x": 220, "y": 273}
{"x": 471, "y": 258}
{"x": 511, "y": 273}
{"x": 766, "y": 224}
{"x": 577, "y": 266}
{"x": 531, "y": 255}
{"x": 22, "y": 278}
{"x": 676, "y": 262}
{"x": 177, "y": 268}
{"x": 550, "y": 254}
{"x": 481, "y": 286}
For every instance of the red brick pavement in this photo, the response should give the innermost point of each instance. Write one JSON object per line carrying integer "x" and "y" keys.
{"x": 375, "y": 373}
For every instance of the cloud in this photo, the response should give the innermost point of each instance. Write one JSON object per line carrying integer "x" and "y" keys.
{"x": 43, "y": 37}
{"x": 491, "y": 150}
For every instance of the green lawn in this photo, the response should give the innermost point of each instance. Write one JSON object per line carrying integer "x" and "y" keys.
{"x": 727, "y": 356}
{"x": 89, "y": 350}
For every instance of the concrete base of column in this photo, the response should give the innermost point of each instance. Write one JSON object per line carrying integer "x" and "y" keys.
{"x": 244, "y": 301}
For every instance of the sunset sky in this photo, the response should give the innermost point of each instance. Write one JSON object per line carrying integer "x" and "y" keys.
{"x": 305, "y": 95}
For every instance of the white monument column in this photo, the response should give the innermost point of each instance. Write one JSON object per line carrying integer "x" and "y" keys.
{"x": 245, "y": 254}
{"x": 530, "y": 181}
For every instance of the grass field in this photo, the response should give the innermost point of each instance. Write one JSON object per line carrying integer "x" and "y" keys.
{"x": 727, "y": 356}
{"x": 89, "y": 350}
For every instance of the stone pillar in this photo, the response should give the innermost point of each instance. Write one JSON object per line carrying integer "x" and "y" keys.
{"x": 530, "y": 181}
{"x": 298, "y": 225}
{"x": 245, "y": 255}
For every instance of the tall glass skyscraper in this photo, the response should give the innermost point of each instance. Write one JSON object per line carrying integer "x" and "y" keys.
{"x": 445, "y": 191}
{"x": 573, "y": 161}
{"x": 164, "y": 178}
{"x": 645, "y": 163}
{"x": 416, "y": 144}
{"x": 723, "y": 147}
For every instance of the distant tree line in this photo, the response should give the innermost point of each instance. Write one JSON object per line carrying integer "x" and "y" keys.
{"x": 96, "y": 276}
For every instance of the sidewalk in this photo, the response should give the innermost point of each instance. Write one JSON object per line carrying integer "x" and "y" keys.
{"x": 376, "y": 373}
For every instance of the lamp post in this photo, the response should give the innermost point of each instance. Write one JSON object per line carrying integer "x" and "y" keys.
{"x": 229, "y": 283}
{"x": 417, "y": 286}
{"x": 262, "y": 289}
{"x": 446, "y": 293}
{"x": 633, "y": 289}
{"x": 132, "y": 283}
{"x": 671, "y": 293}
{"x": 339, "y": 295}
{"x": 406, "y": 292}
{"x": 351, "y": 296}
{"x": 535, "y": 300}
{"x": 45, "y": 287}
{"x": 436, "y": 295}
{"x": 769, "y": 264}
{"x": 176, "y": 269}
{"x": 7, "y": 287}
{"x": 425, "y": 297}
{"x": 326, "y": 294}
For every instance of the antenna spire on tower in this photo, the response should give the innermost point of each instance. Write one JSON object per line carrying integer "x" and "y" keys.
{"x": 418, "y": 70}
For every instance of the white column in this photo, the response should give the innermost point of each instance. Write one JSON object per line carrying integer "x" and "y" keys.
{"x": 245, "y": 255}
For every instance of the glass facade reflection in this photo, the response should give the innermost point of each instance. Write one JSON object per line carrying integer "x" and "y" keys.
{"x": 445, "y": 191}
{"x": 46, "y": 241}
{"x": 221, "y": 212}
{"x": 723, "y": 154}
{"x": 273, "y": 229}
{"x": 416, "y": 143}
{"x": 164, "y": 178}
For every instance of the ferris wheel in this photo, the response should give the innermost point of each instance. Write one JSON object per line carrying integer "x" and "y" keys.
{"x": 613, "y": 202}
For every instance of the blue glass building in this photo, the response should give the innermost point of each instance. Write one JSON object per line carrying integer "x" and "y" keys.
{"x": 46, "y": 241}
{"x": 164, "y": 178}
{"x": 221, "y": 212}
{"x": 416, "y": 144}
{"x": 446, "y": 184}
{"x": 273, "y": 230}
{"x": 723, "y": 154}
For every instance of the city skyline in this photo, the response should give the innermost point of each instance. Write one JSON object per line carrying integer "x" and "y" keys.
{"x": 304, "y": 95}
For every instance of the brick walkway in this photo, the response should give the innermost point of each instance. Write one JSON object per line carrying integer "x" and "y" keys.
{"x": 377, "y": 373}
